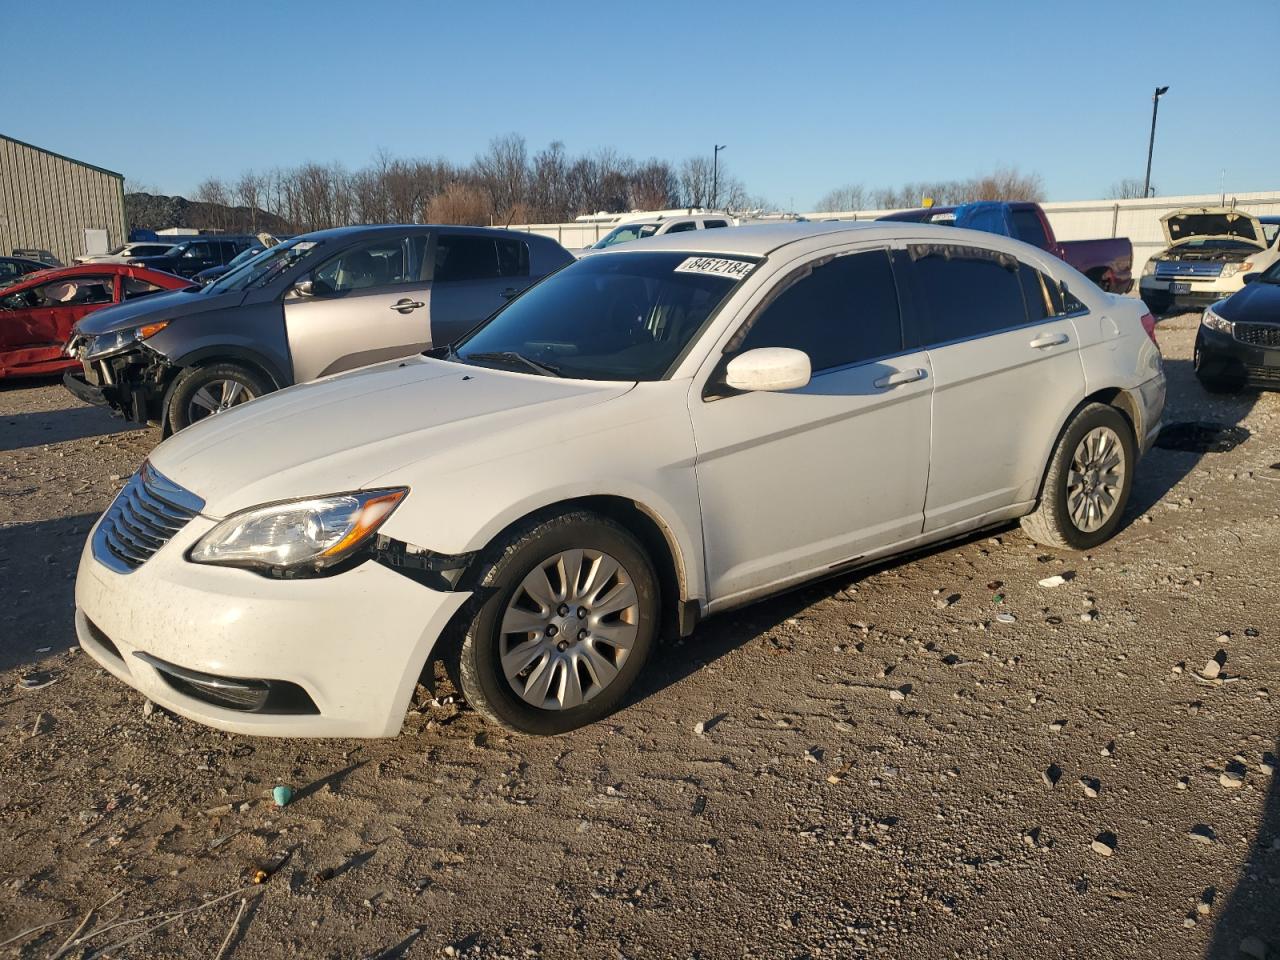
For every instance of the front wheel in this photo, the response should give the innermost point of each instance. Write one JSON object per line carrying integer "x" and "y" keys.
{"x": 200, "y": 392}
{"x": 568, "y": 613}
{"x": 1088, "y": 481}
{"x": 1212, "y": 376}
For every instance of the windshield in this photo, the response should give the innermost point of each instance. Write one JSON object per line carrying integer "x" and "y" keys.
{"x": 265, "y": 267}
{"x": 1271, "y": 274}
{"x": 626, "y": 316}
{"x": 630, "y": 231}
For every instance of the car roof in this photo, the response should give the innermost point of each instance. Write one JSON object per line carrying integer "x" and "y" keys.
{"x": 1275, "y": 219}
{"x": 343, "y": 233}
{"x": 758, "y": 240}
{"x": 94, "y": 270}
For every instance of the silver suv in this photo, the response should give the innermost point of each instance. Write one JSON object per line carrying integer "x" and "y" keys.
{"x": 318, "y": 304}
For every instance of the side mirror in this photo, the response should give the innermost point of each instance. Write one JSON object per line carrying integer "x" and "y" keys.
{"x": 304, "y": 288}
{"x": 769, "y": 369}
{"x": 1251, "y": 277}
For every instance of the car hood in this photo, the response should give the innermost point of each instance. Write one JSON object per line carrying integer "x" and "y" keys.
{"x": 341, "y": 432}
{"x": 157, "y": 306}
{"x": 1221, "y": 223}
{"x": 1255, "y": 302}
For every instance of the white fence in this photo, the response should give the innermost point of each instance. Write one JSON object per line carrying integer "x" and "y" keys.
{"x": 1139, "y": 220}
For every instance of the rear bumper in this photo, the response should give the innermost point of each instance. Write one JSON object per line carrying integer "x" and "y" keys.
{"x": 1150, "y": 397}
{"x": 1222, "y": 355}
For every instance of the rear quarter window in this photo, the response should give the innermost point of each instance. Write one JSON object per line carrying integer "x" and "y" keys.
{"x": 966, "y": 295}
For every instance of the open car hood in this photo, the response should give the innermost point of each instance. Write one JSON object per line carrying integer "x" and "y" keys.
{"x": 1219, "y": 223}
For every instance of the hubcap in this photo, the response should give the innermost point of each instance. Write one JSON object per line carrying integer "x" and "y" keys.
{"x": 568, "y": 629}
{"x": 216, "y": 396}
{"x": 1095, "y": 479}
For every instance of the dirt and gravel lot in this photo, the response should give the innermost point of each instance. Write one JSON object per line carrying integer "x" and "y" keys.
{"x": 882, "y": 765}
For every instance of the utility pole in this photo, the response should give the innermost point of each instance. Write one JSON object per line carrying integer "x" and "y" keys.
{"x": 1151, "y": 144}
{"x": 715, "y": 175}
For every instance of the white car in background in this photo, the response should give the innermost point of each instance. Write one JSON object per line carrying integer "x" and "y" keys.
{"x": 1211, "y": 250}
{"x": 127, "y": 252}
{"x": 658, "y": 226}
{"x": 647, "y": 437}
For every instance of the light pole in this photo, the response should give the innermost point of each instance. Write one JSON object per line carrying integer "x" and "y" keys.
{"x": 1151, "y": 144}
{"x": 715, "y": 174}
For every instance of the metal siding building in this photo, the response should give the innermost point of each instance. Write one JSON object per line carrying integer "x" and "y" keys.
{"x": 48, "y": 201}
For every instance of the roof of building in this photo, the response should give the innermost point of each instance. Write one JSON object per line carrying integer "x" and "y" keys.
{"x": 61, "y": 156}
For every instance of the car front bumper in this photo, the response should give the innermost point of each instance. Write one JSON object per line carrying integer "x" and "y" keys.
{"x": 1222, "y": 355}
{"x": 355, "y": 642}
{"x": 1157, "y": 294}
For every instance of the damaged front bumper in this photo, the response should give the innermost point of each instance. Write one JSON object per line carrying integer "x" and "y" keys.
{"x": 131, "y": 382}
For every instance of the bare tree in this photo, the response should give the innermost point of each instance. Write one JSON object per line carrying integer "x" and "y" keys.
{"x": 248, "y": 194}
{"x": 550, "y": 196}
{"x": 504, "y": 171}
{"x": 214, "y": 193}
{"x": 1129, "y": 188}
{"x": 461, "y": 203}
{"x": 849, "y": 197}
{"x": 654, "y": 186}
{"x": 696, "y": 176}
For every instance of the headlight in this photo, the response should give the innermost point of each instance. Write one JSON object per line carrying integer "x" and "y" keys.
{"x": 114, "y": 342}
{"x": 298, "y": 536}
{"x": 1215, "y": 322}
{"x": 1150, "y": 269}
{"x": 1231, "y": 269}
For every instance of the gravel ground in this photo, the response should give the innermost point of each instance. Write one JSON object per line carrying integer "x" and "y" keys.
{"x": 881, "y": 765}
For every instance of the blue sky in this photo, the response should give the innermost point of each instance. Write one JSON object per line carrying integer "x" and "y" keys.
{"x": 807, "y": 96}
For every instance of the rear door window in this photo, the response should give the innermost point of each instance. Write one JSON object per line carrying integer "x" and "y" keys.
{"x": 967, "y": 292}
{"x": 460, "y": 257}
{"x": 843, "y": 311}
{"x": 712, "y": 224}
{"x": 1028, "y": 228}
{"x": 682, "y": 227}
{"x": 135, "y": 287}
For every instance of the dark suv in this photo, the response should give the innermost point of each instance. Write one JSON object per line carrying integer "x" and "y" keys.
{"x": 188, "y": 257}
{"x": 317, "y": 304}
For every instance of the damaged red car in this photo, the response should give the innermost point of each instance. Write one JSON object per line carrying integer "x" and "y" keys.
{"x": 38, "y": 312}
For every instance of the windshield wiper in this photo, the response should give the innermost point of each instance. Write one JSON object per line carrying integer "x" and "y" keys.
{"x": 510, "y": 355}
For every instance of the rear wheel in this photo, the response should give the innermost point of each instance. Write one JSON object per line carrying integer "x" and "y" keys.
{"x": 569, "y": 614}
{"x": 1102, "y": 277}
{"x": 1088, "y": 481}
{"x": 200, "y": 392}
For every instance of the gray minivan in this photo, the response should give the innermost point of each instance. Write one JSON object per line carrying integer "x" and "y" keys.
{"x": 318, "y": 304}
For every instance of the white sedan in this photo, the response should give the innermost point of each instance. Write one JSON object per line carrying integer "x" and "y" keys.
{"x": 648, "y": 437}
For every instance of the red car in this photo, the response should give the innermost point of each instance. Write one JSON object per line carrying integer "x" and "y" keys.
{"x": 38, "y": 312}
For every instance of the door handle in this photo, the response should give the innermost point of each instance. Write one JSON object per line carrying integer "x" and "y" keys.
{"x": 900, "y": 377}
{"x": 1049, "y": 340}
{"x": 404, "y": 306}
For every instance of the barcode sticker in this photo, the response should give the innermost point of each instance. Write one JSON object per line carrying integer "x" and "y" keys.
{"x": 716, "y": 267}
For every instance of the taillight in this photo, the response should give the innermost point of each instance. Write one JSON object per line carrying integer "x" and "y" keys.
{"x": 1149, "y": 325}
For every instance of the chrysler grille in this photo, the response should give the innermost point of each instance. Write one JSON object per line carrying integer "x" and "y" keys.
{"x": 143, "y": 518}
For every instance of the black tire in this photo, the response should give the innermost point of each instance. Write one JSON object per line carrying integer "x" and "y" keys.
{"x": 1102, "y": 278}
{"x": 181, "y": 404}
{"x": 1213, "y": 376}
{"x": 1051, "y": 523}
{"x": 502, "y": 570}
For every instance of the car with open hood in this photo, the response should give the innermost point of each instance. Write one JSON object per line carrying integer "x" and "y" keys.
{"x": 314, "y": 305}
{"x": 1209, "y": 252}
{"x": 647, "y": 437}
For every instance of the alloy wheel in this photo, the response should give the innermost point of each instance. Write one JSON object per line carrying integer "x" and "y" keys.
{"x": 568, "y": 628}
{"x": 1095, "y": 479}
{"x": 217, "y": 396}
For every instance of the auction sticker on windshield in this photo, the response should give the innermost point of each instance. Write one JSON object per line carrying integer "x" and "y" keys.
{"x": 716, "y": 267}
